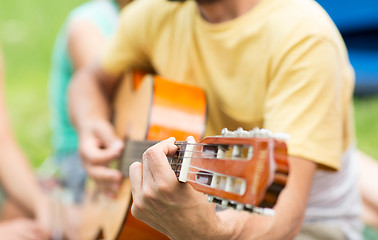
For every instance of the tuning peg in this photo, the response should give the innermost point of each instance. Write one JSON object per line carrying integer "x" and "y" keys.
{"x": 256, "y": 132}
{"x": 225, "y": 132}
{"x": 281, "y": 136}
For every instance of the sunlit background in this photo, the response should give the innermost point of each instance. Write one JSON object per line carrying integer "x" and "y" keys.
{"x": 27, "y": 33}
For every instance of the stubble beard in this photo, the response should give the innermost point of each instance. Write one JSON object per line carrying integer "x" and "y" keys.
{"x": 199, "y": 2}
{"x": 206, "y": 2}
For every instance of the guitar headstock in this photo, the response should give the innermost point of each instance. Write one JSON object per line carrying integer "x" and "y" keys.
{"x": 234, "y": 169}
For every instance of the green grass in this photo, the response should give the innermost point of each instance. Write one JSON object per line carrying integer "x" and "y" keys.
{"x": 27, "y": 33}
{"x": 366, "y": 118}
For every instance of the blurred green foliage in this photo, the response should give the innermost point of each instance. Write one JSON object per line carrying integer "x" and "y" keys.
{"x": 27, "y": 33}
{"x": 366, "y": 118}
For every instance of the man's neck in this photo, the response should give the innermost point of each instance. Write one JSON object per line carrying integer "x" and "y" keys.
{"x": 224, "y": 10}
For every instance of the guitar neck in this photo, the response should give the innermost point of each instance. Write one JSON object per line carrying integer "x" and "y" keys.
{"x": 133, "y": 152}
{"x": 236, "y": 172}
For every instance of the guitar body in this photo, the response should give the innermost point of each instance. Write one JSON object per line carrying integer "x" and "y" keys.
{"x": 233, "y": 169}
{"x": 150, "y": 108}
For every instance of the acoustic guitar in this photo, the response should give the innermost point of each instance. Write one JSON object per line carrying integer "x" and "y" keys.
{"x": 240, "y": 169}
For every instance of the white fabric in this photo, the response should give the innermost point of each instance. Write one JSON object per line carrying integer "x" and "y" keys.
{"x": 335, "y": 198}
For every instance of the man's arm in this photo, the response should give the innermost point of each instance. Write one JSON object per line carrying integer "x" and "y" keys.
{"x": 368, "y": 189}
{"x": 180, "y": 212}
{"x": 289, "y": 209}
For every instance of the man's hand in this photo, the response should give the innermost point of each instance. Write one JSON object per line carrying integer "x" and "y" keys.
{"x": 98, "y": 147}
{"x": 22, "y": 229}
{"x": 180, "y": 212}
{"x": 166, "y": 204}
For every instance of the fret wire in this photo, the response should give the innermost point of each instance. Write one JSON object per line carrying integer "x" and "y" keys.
{"x": 179, "y": 154}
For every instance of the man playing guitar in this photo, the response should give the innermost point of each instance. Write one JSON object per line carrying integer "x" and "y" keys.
{"x": 281, "y": 65}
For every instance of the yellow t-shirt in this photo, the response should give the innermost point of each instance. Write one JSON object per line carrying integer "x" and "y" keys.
{"x": 281, "y": 66}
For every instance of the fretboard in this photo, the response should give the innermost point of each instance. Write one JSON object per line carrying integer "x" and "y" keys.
{"x": 134, "y": 150}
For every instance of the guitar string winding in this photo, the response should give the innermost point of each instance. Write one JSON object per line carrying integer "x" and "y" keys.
{"x": 138, "y": 159}
{"x": 202, "y": 153}
{"x": 193, "y": 167}
{"x": 140, "y": 147}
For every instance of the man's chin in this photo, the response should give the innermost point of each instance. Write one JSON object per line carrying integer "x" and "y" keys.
{"x": 201, "y": 2}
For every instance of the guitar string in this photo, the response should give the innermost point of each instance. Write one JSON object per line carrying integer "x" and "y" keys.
{"x": 174, "y": 160}
{"x": 138, "y": 159}
{"x": 205, "y": 154}
{"x": 205, "y": 171}
{"x": 176, "y": 164}
{"x": 172, "y": 163}
{"x": 143, "y": 147}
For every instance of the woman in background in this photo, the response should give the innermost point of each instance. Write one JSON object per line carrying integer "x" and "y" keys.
{"x": 79, "y": 42}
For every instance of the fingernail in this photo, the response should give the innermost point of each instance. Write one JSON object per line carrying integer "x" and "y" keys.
{"x": 190, "y": 139}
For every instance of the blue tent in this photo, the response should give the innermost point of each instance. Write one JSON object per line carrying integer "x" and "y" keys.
{"x": 358, "y": 23}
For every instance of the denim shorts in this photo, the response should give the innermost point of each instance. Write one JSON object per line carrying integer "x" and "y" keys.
{"x": 72, "y": 174}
